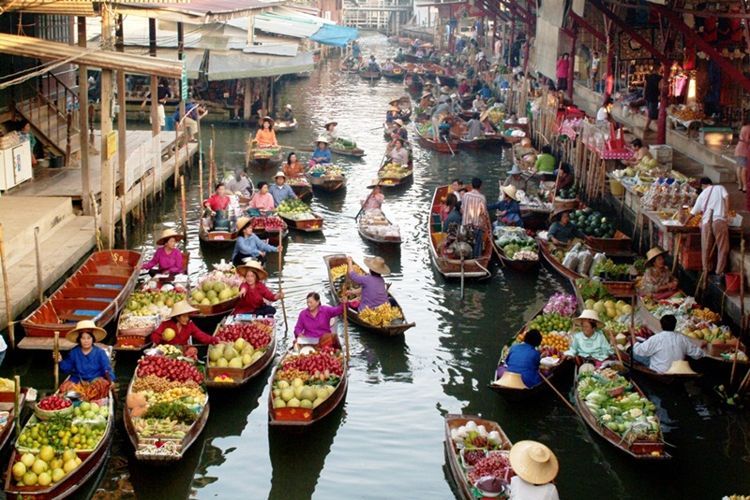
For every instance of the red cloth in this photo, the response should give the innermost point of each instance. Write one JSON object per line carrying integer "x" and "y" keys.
{"x": 563, "y": 65}
{"x": 182, "y": 334}
{"x": 253, "y": 298}
{"x": 216, "y": 202}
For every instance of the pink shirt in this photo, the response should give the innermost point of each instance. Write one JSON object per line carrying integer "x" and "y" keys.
{"x": 563, "y": 65}
{"x": 167, "y": 262}
{"x": 316, "y": 327}
{"x": 262, "y": 202}
{"x": 374, "y": 201}
{"x": 744, "y": 145}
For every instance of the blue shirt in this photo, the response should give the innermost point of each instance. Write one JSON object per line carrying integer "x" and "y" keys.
{"x": 485, "y": 92}
{"x": 454, "y": 217}
{"x": 251, "y": 246}
{"x": 321, "y": 156}
{"x": 524, "y": 360}
{"x": 281, "y": 193}
{"x": 87, "y": 367}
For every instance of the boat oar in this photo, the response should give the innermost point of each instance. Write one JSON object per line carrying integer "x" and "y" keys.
{"x": 283, "y": 305}
{"x": 56, "y": 350}
{"x": 462, "y": 276}
{"x": 448, "y": 143}
{"x": 16, "y": 405}
{"x": 742, "y": 311}
{"x": 562, "y": 398}
{"x": 345, "y": 307}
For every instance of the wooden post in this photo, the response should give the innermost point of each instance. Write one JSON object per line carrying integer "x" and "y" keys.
{"x": 183, "y": 203}
{"x": 56, "y": 349}
{"x": 571, "y": 66}
{"x": 180, "y": 52}
{"x": 16, "y": 405}
{"x": 6, "y": 290}
{"x": 37, "y": 251}
{"x": 661, "y": 122}
{"x": 122, "y": 152}
{"x": 155, "y": 126}
{"x": 107, "y": 166}
{"x": 83, "y": 118}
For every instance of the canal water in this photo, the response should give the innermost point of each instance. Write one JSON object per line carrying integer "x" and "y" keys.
{"x": 387, "y": 440}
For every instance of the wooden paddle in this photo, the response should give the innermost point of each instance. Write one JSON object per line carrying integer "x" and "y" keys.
{"x": 562, "y": 398}
{"x": 16, "y": 405}
{"x": 346, "y": 320}
{"x": 56, "y": 352}
{"x": 283, "y": 305}
{"x": 462, "y": 276}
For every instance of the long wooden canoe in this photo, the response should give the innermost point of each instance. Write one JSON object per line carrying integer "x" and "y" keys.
{"x": 366, "y": 232}
{"x": 264, "y": 157}
{"x": 337, "y": 149}
{"x": 96, "y": 291}
{"x": 518, "y": 265}
{"x": 388, "y": 180}
{"x": 457, "y": 471}
{"x": 440, "y": 146}
{"x": 183, "y": 445}
{"x": 6, "y": 404}
{"x": 314, "y": 224}
{"x": 91, "y": 464}
{"x": 641, "y": 450}
{"x": 302, "y": 188}
{"x": 215, "y": 240}
{"x": 339, "y": 259}
{"x": 240, "y": 376}
{"x": 327, "y": 183}
{"x": 396, "y": 74}
{"x": 284, "y": 126}
{"x": 302, "y": 417}
{"x": 450, "y": 266}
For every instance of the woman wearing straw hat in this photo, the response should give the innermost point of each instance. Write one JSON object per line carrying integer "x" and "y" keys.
{"x": 167, "y": 259}
{"x": 253, "y": 292}
{"x": 657, "y": 281}
{"x": 265, "y": 137}
{"x": 589, "y": 342}
{"x": 665, "y": 351}
{"x": 515, "y": 178}
{"x": 248, "y": 245}
{"x": 179, "y": 329}
{"x": 373, "y": 292}
{"x": 280, "y": 190}
{"x": 523, "y": 359}
{"x": 330, "y": 131}
{"x": 536, "y": 467}
{"x": 509, "y": 208}
{"x": 392, "y": 114}
{"x": 321, "y": 155}
{"x": 562, "y": 232}
{"x": 86, "y": 361}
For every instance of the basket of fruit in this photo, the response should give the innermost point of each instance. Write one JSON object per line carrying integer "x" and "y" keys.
{"x": 53, "y": 406}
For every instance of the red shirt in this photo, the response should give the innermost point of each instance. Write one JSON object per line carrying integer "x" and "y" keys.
{"x": 253, "y": 298}
{"x": 216, "y": 202}
{"x": 182, "y": 334}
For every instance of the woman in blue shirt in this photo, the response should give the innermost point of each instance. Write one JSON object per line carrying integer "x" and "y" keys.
{"x": 510, "y": 209}
{"x": 524, "y": 358}
{"x": 248, "y": 244}
{"x": 86, "y": 362}
{"x": 321, "y": 154}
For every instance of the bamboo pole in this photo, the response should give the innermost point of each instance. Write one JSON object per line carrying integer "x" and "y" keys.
{"x": 97, "y": 231}
{"x": 200, "y": 171}
{"x": 6, "y": 290}
{"x": 283, "y": 305}
{"x": 124, "y": 221}
{"x": 183, "y": 206}
{"x": 345, "y": 306}
{"x": 56, "y": 349}
{"x": 16, "y": 403}
{"x": 38, "y": 255}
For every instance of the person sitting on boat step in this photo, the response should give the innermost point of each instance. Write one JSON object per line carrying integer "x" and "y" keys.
{"x": 288, "y": 115}
{"x": 523, "y": 358}
{"x": 248, "y": 245}
{"x": 240, "y": 184}
{"x": 181, "y": 328}
{"x": 562, "y": 232}
{"x": 262, "y": 200}
{"x": 660, "y": 351}
{"x": 475, "y": 215}
{"x": 399, "y": 154}
{"x": 265, "y": 137}
{"x": 458, "y": 188}
{"x": 314, "y": 322}
{"x": 293, "y": 168}
{"x": 167, "y": 259}
{"x": 375, "y": 199}
{"x": 86, "y": 362}
{"x": 657, "y": 281}
{"x": 280, "y": 190}
{"x": 373, "y": 291}
{"x": 478, "y": 104}
{"x": 321, "y": 155}
{"x": 509, "y": 208}
{"x": 535, "y": 467}
{"x": 589, "y": 342}
{"x": 253, "y": 292}
{"x": 217, "y": 204}
{"x": 474, "y": 128}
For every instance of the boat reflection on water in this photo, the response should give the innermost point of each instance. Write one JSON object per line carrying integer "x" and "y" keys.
{"x": 390, "y": 354}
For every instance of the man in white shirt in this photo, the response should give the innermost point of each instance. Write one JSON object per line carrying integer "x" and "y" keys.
{"x": 474, "y": 212}
{"x": 666, "y": 347}
{"x": 713, "y": 202}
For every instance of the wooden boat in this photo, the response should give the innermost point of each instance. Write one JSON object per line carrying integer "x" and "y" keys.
{"x": 535, "y": 217}
{"x": 302, "y": 417}
{"x": 441, "y": 146}
{"x": 284, "y": 126}
{"x": 641, "y": 450}
{"x": 620, "y": 245}
{"x": 389, "y": 180}
{"x": 664, "y": 378}
{"x": 6, "y": 404}
{"x": 134, "y": 339}
{"x": 396, "y": 74}
{"x": 184, "y": 444}
{"x": 327, "y": 183}
{"x": 413, "y": 83}
{"x": 215, "y": 240}
{"x": 335, "y": 260}
{"x": 465, "y": 490}
{"x": 91, "y": 464}
{"x": 370, "y": 75}
{"x": 340, "y": 150}
{"x": 96, "y": 291}
{"x": 302, "y": 188}
{"x": 518, "y": 265}
{"x": 314, "y": 224}
{"x": 349, "y": 66}
{"x": 265, "y": 158}
{"x": 240, "y": 376}
{"x": 364, "y": 227}
{"x": 447, "y": 81}
{"x": 451, "y": 266}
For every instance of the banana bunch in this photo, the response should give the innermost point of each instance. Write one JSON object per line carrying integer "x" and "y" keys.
{"x": 383, "y": 315}
{"x": 7, "y": 385}
{"x": 339, "y": 271}
{"x": 162, "y": 427}
{"x": 189, "y": 395}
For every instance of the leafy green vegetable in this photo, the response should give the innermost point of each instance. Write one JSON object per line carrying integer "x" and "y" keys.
{"x": 174, "y": 411}
{"x": 591, "y": 289}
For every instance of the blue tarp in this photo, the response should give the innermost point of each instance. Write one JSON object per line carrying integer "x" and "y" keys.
{"x": 332, "y": 34}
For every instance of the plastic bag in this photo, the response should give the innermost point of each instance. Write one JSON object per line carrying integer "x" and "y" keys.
{"x": 598, "y": 258}
{"x": 584, "y": 262}
{"x": 571, "y": 260}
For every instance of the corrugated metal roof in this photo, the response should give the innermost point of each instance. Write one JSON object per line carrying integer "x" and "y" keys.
{"x": 229, "y": 65}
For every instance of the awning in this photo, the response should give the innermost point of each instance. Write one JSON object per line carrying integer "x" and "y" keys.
{"x": 293, "y": 26}
{"x": 229, "y": 65}
{"x": 193, "y": 58}
{"x": 332, "y": 34}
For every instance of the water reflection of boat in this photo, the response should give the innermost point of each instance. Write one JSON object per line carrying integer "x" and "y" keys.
{"x": 390, "y": 355}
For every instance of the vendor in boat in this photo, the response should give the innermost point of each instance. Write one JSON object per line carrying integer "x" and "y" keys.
{"x": 455, "y": 102}
{"x": 463, "y": 87}
{"x": 475, "y": 215}
{"x": 474, "y": 128}
{"x": 535, "y": 467}
{"x": 399, "y": 131}
{"x": 86, "y": 362}
{"x": 545, "y": 164}
{"x": 372, "y": 65}
{"x": 664, "y": 351}
{"x": 515, "y": 178}
{"x": 321, "y": 155}
{"x": 451, "y": 212}
{"x": 509, "y": 209}
{"x": 478, "y": 104}
{"x": 280, "y": 190}
{"x": 657, "y": 281}
{"x": 314, "y": 322}
{"x": 262, "y": 200}
{"x": 248, "y": 244}
{"x": 240, "y": 184}
{"x": 331, "y": 134}
{"x": 375, "y": 199}
{"x": 399, "y": 154}
{"x": 388, "y": 66}
{"x": 562, "y": 232}
{"x": 179, "y": 329}
{"x": 266, "y": 137}
{"x": 218, "y": 203}
{"x": 444, "y": 129}
{"x": 589, "y": 342}
{"x": 439, "y": 114}
{"x": 426, "y": 101}
{"x": 288, "y": 115}
{"x": 356, "y": 50}
{"x": 293, "y": 168}
{"x": 373, "y": 291}
{"x": 168, "y": 258}
{"x": 523, "y": 358}
{"x": 253, "y": 292}
{"x": 392, "y": 114}
{"x": 565, "y": 177}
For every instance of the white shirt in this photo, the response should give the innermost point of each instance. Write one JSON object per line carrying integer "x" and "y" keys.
{"x": 664, "y": 348}
{"x": 3, "y": 345}
{"x": 521, "y": 490}
{"x": 473, "y": 208}
{"x": 400, "y": 156}
{"x": 711, "y": 202}
{"x": 601, "y": 114}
